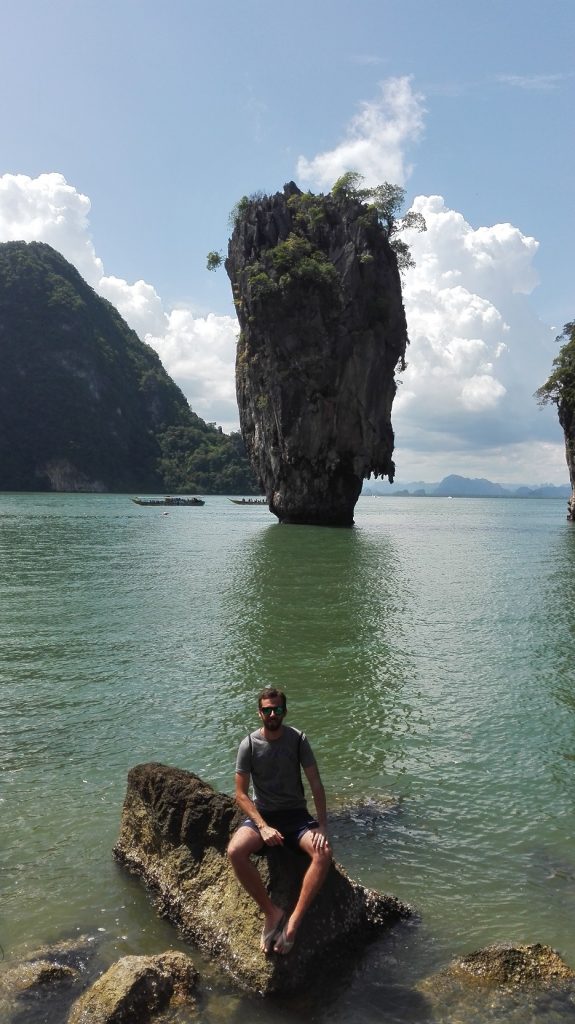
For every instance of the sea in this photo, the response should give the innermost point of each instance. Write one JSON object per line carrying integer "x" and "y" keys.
{"x": 427, "y": 652}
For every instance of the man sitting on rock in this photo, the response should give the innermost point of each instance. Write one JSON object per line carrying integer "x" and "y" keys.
{"x": 278, "y": 815}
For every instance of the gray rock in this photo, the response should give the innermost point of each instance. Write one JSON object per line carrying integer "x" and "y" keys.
{"x": 46, "y": 976}
{"x": 135, "y": 988}
{"x": 513, "y": 983}
{"x": 174, "y": 834}
{"x": 566, "y": 411}
{"x": 503, "y": 965}
{"x": 519, "y": 965}
{"x": 318, "y": 297}
{"x": 31, "y": 975}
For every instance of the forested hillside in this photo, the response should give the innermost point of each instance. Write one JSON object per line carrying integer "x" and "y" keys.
{"x": 84, "y": 404}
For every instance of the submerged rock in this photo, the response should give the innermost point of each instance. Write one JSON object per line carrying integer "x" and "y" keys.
{"x": 32, "y": 975}
{"x": 318, "y": 297}
{"x": 46, "y": 977}
{"x": 504, "y": 982}
{"x": 174, "y": 834}
{"x": 534, "y": 964}
{"x": 136, "y": 988}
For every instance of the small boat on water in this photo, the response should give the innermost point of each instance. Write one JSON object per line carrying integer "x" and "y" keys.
{"x": 176, "y": 502}
{"x": 249, "y": 501}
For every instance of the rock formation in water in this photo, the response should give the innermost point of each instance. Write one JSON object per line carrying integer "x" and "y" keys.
{"x": 567, "y": 420}
{"x": 318, "y": 297}
{"x": 559, "y": 388}
{"x": 136, "y": 988}
{"x": 174, "y": 834}
{"x": 44, "y": 984}
{"x": 84, "y": 404}
{"x": 501, "y": 982}
{"x": 65, "y": 982}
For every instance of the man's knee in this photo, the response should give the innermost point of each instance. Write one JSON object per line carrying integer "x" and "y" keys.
{"x": 234, "y": 851}
{"x": 243, "y": 843}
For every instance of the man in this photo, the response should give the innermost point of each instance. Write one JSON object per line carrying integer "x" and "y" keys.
{"x": 278, "y": 815}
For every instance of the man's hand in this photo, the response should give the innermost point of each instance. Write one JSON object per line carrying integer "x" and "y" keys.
{"x": 319, "y": 839}
{"x": 271, "y": 836}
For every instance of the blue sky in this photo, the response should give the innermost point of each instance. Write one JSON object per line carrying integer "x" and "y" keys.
{"x": 130, "y": 129}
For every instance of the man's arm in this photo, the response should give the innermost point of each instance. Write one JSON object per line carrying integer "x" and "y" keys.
{"x": 318, "y": 793}
{"x": 270, "y": 836}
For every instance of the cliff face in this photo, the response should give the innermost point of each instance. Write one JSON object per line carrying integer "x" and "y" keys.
{"x": 567, "y": 421}
{"x": 318, "y": 297}
{"x": 559, "y": 389}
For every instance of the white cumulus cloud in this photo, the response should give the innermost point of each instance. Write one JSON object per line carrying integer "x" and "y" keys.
{"x": 200, "y": 355}
{"x": 47, "y": 209}
{"x": 477, "y": 350}
{"x": 375, "y": 140}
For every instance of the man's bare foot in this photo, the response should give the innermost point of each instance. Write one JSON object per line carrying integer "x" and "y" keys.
{"x": 284, "y": 941}
{"x": 273, "y": 923}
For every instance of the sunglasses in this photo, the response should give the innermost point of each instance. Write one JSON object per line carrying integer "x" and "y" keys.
{"x": 277, "y": 711}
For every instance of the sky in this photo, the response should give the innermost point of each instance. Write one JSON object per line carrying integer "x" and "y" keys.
{"x": 131, "y": 128}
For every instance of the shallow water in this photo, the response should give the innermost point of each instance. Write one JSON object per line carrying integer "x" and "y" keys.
{"x": 427, "y": 653}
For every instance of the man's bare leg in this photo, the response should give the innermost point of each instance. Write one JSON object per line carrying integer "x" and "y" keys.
{"x": 312, "y": 882}
{"x": 243, "y": 843}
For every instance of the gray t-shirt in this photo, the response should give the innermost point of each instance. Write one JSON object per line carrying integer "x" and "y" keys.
{"x": 274, "y": 766}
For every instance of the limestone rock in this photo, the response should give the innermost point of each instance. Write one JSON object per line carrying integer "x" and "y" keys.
{"x": 135, "y": 988}
{"x": 174, "y": 834}
{"x": 318, "y": 297}
{"x": 504, "y": 982}
{"x": 32, "y": 975}
{"x": 500, "y": 966}
{"x": 567, "y": 421}
{"x": 46, "y": 977}
{"x": 513, "y": 965}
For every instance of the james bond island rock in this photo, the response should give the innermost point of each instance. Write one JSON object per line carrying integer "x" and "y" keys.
{"x": 174, "y": 834}
{"x": 318, "y": 297}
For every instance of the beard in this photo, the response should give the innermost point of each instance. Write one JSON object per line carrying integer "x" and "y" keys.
{"x": 273, "y": 724}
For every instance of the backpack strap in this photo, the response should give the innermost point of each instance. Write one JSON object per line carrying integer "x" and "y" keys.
{"x": 300, "y": 738}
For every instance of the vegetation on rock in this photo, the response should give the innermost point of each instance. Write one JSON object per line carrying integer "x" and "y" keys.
{"x": 560, "y": 389}
{"x": 560, "y": 385}
{"x": 84, "y": 404}
{"x": 387, "y": 200}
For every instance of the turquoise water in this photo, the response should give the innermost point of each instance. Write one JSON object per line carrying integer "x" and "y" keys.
{"x": 428, "y": 653}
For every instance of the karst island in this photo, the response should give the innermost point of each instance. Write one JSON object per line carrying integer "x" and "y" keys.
{"x": 317, "y": 291}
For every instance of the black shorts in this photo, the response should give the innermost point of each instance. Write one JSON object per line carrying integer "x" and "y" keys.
{"x": 292, "y": 824}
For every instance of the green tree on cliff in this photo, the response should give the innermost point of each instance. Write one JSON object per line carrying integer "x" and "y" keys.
{"x": 388, "y": 200}
{"x": 214, "y": 260}
{"x": 560, "y": 385}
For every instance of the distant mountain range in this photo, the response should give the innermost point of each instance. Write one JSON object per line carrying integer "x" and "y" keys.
{"x": 454, "y": 486}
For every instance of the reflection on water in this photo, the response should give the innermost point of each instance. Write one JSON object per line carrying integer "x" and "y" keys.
{"x": 555, "y": 652}
{"x": 321, "y": 613}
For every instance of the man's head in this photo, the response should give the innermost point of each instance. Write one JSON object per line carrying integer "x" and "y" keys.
{"x": 272, "y": 707}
